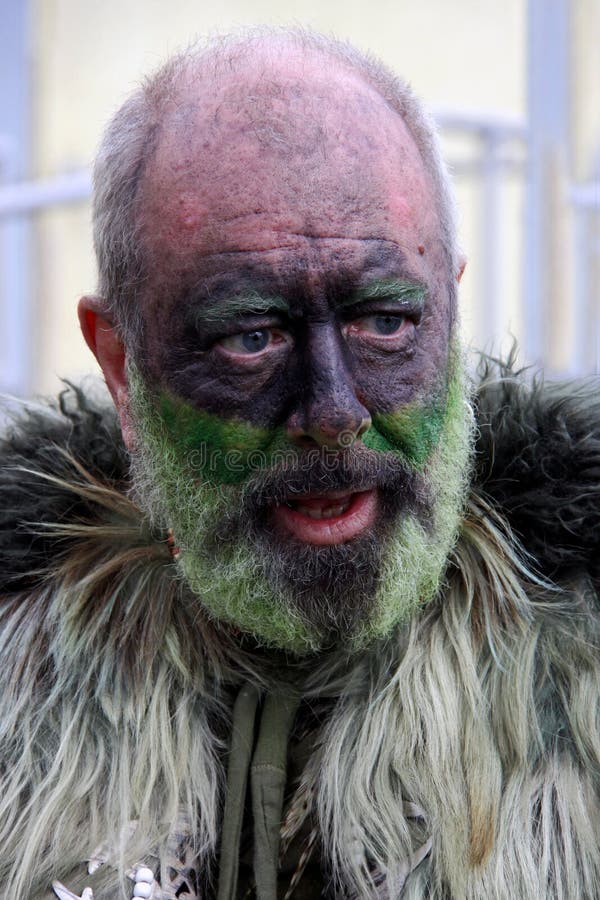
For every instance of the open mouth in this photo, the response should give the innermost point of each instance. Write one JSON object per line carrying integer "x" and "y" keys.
{"x": 333, "y": 517}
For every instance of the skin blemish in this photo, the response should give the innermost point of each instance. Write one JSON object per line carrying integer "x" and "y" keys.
{"x": 421, "y": 249}
{"x": 191, "y": 220}
{"x": 400, "y": 208}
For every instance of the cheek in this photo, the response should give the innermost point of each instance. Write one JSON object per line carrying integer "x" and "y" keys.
{"x": 214, "y": 448}
{"x": 412, "y": 432}
{"x": 389, "y": 386}
{"x": 386, "y": 382}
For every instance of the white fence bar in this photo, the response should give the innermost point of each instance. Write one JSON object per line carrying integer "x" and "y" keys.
{"x": 547, "y": 108}
{"x": 506, "y": 127}
{"x": 15, "y": 262}
{"x": 493, "y": 238}
{"x": 586, "y": 196}
{"x": 585, "y": 199}
{"x": 31, "y": 196}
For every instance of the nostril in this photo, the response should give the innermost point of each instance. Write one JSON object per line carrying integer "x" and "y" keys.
{"x": 351, "y": 433}
{"x": 305, "y": 441}
{"x": 364, "y": 426}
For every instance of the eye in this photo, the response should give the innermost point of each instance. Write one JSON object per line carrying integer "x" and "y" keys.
{"x": 252, "y": 343}
{"x": 384, "y": 324}
{"x": 383, "y": 328}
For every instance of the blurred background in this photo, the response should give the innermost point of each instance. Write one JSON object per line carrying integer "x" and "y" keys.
{"x": 515, "y": 87}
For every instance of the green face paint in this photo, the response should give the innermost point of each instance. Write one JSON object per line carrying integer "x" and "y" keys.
{"x": 193, "y": 466}
{"x": 416, "y": 559}
{"x": 227, "y": 451}
{"x": 411, "y": 432}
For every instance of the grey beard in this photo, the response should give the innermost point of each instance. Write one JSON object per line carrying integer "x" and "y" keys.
{"x": 287, "y": 594}
{"x": 331, "y": 587}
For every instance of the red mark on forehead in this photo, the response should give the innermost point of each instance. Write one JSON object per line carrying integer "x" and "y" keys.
{"x": 190, "y": 220}
{"x": 188, "y": 211}
{"x": 421, "y": 249}
{"x": 400, "y": 208}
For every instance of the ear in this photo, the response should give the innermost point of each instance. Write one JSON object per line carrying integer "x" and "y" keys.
{"x": 103, "y": 340}
{"x": 462, "y": 262}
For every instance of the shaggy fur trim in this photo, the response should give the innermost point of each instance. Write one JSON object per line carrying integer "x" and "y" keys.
{"x": 538, "y": 458}
{"x": 45, "y": 439}
{"x": 485, "y": 714}
{"x": 538, "y": 463}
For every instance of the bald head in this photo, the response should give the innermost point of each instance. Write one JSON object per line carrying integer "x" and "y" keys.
{"x": 295, "y": 102}
{"x": 283, "y": 146}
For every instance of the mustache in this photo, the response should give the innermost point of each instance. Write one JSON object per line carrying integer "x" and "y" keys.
{"x": 352, "y": 469}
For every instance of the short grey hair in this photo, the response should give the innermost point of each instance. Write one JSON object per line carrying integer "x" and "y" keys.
{"x": 132, "y": 136}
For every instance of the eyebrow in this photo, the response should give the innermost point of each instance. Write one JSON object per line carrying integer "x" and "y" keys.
{"x": 409, "y": 294}
{"x": 240, "y": 304}
{"x": 406, "y": 294}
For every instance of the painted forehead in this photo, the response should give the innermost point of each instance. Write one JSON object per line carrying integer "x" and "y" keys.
{"x": 290, "y": 161}
{"x": 338, "y": 273}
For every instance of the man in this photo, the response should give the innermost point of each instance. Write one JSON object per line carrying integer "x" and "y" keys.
{"x": 297, "y": 637}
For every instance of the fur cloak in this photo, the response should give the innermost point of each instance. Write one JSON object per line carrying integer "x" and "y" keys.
{"x": 461, "y": 759}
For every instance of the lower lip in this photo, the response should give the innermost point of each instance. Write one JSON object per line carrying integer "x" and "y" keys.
{"x": 359, "y": 516}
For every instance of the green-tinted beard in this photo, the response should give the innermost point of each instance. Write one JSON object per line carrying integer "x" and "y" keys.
{"x": 189, "y": 471}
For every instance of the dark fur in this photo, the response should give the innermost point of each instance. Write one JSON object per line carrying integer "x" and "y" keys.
{"x": 537, "y": 460}
{"x": 511, "y": 693}
{"x": 89, "y": 430}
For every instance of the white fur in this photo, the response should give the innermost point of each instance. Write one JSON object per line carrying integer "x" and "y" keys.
{"x": 485, "y": 713}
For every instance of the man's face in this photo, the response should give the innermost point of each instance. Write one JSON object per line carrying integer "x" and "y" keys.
{"x": 298, "y": 403}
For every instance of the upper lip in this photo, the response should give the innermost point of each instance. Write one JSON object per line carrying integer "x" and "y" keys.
{"x": 325, "y": 495}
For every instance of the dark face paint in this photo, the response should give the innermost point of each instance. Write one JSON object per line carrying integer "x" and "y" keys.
{"x": 285, "y": 592}
{"x": 325, "y": 376}
{"x": 228, "y": 450}
{"x": 288, "y": 304}
{"x": 309, "y": 225}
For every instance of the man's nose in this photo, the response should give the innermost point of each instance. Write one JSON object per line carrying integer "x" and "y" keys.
{"x": 329, "y": 413}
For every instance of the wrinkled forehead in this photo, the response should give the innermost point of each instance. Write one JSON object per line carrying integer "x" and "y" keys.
{"x": 298, "y": 145}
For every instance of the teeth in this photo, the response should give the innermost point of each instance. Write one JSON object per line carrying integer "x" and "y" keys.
{"x": 326, "y": 512}
{"x": 336, "y": 510}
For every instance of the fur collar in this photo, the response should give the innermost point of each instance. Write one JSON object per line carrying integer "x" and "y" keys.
{"x": 537, "y": 462}
{"x": 114, "y": 696}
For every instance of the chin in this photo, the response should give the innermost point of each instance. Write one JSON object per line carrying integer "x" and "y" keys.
{"x": 306, "y": 598}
